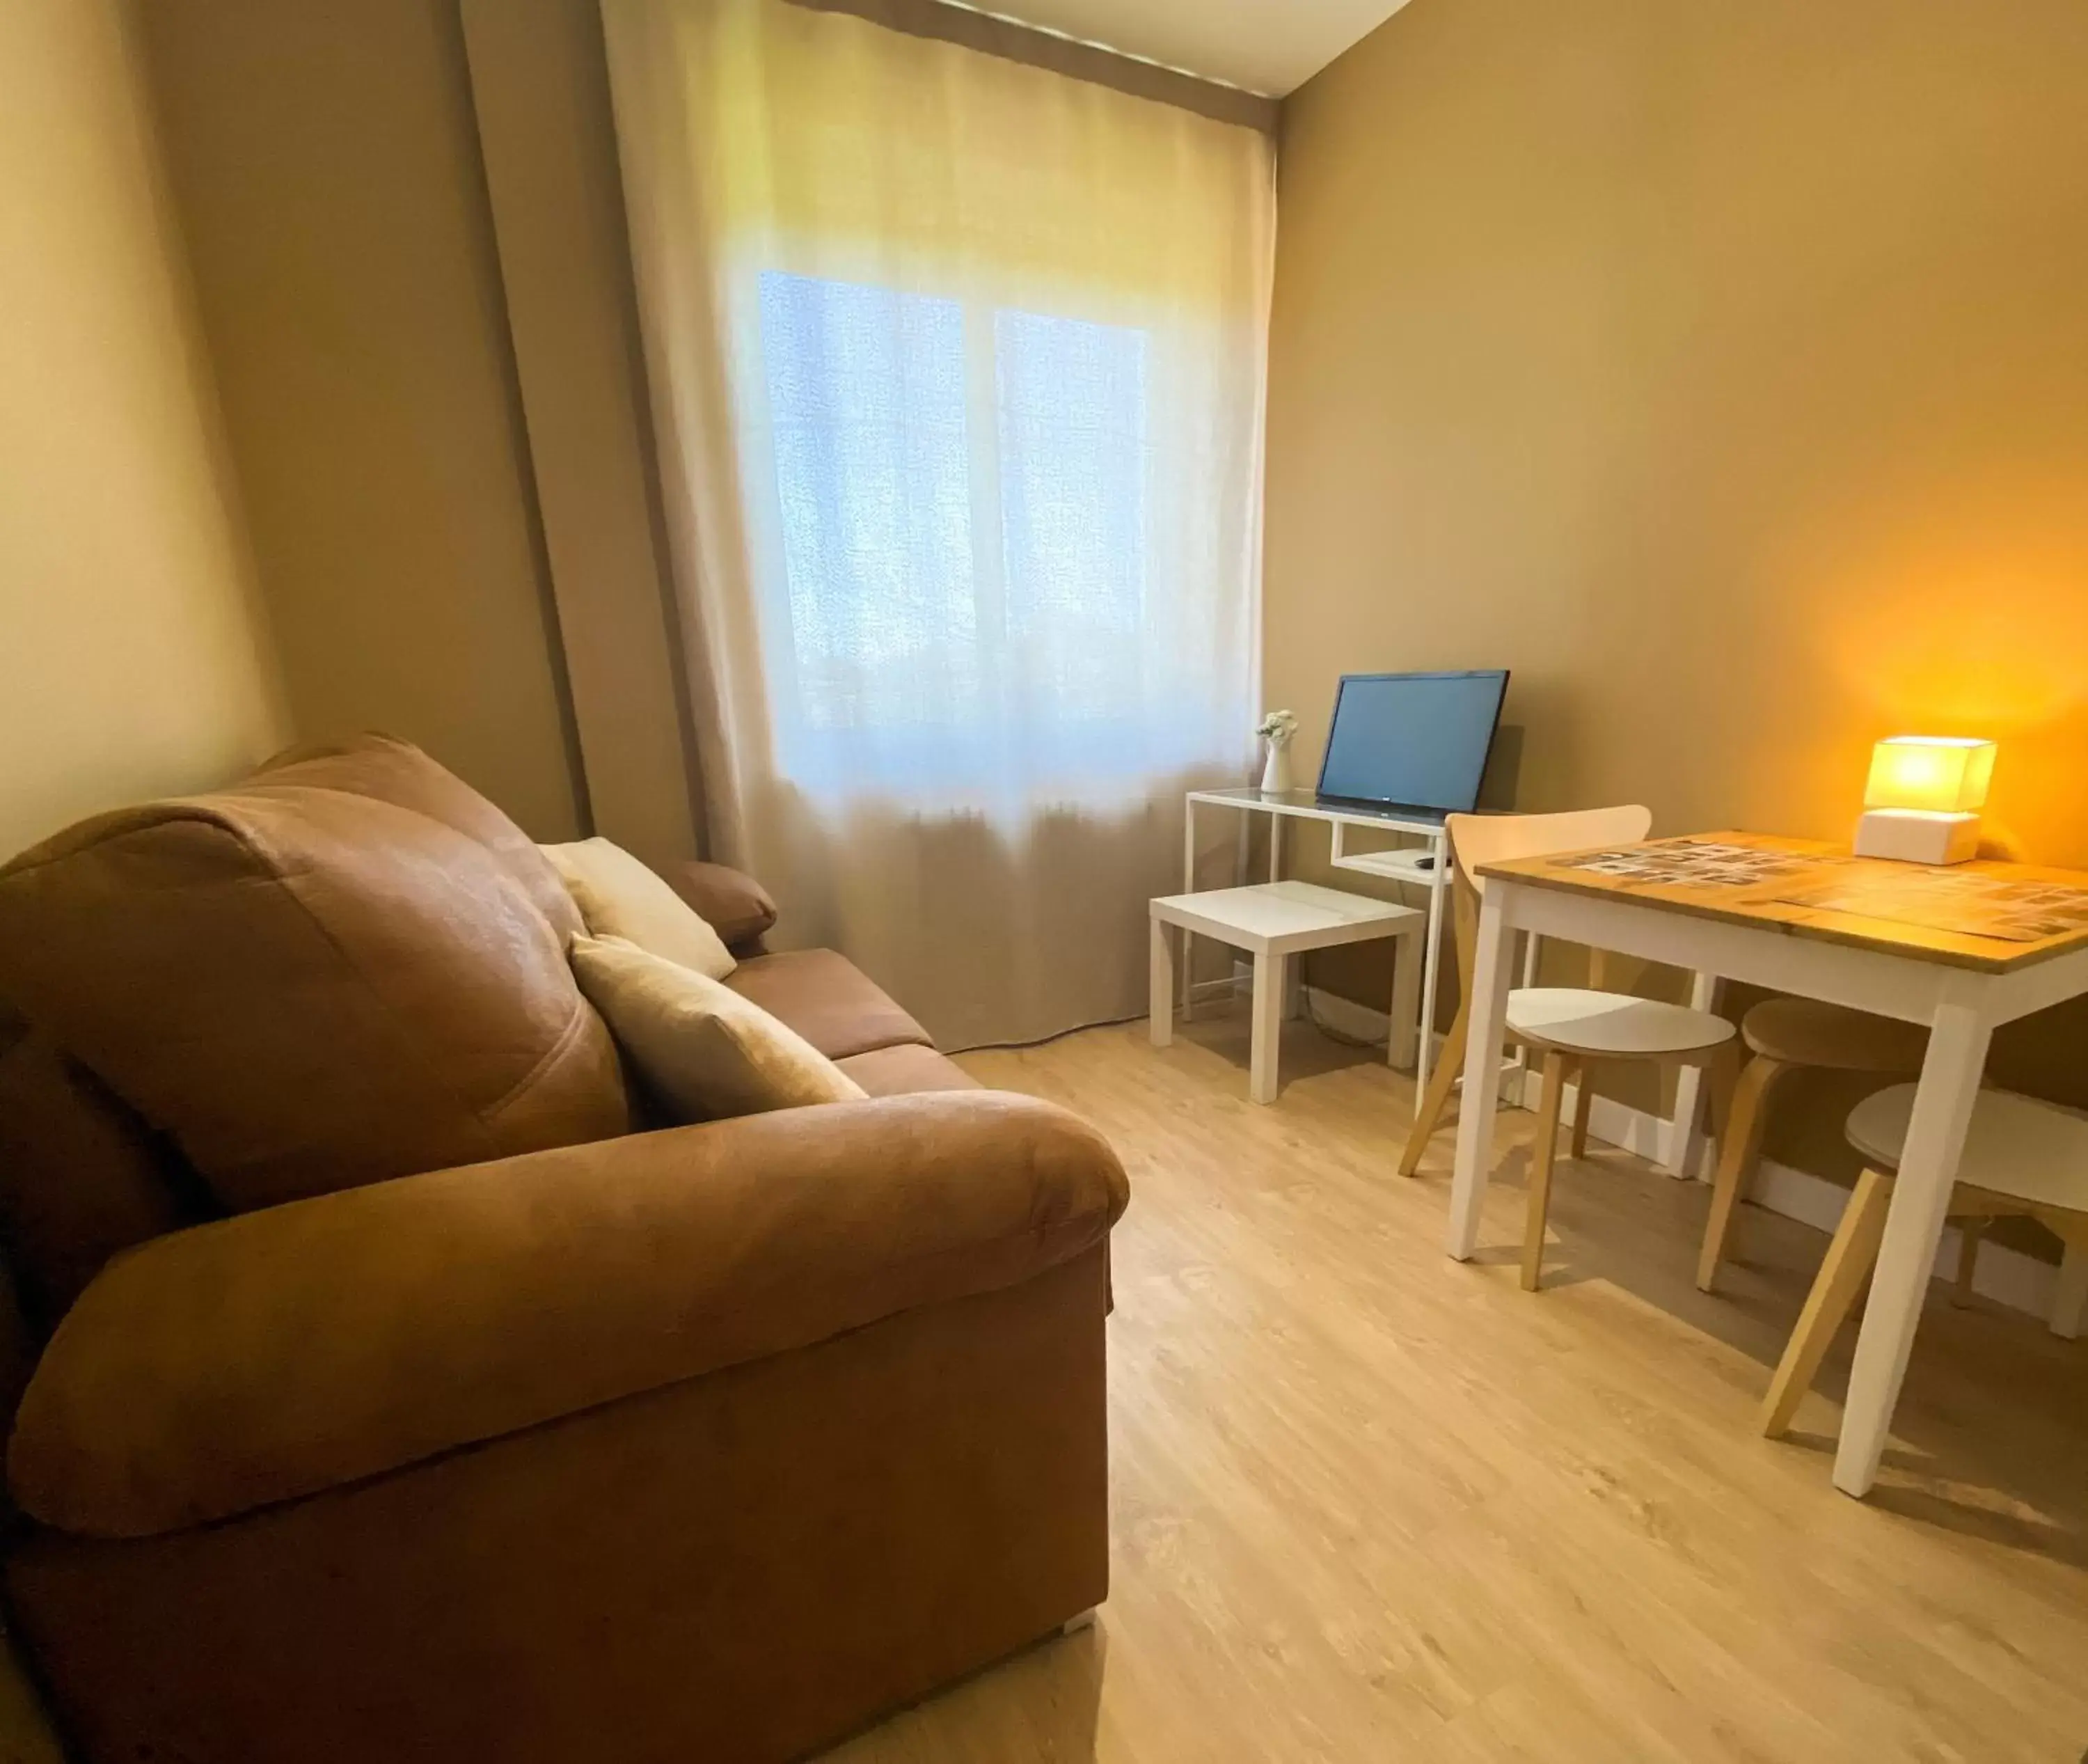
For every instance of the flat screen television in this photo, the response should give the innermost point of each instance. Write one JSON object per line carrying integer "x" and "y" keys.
{"x": 1413, "y": 740}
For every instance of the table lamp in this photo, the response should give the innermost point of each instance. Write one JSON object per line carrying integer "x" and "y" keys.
{"x": 1921, "y": 803}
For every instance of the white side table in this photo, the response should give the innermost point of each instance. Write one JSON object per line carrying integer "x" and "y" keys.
{"x": 1425, "y": 866}
{"x": 1273, "y": 922}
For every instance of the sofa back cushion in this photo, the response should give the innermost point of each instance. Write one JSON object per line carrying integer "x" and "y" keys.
{"x": 308, "y": 989}
{"x": 397, "y": 772}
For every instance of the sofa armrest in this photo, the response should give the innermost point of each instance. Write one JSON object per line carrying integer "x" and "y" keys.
{"x": 730, "y": 901}
{"x": 265, "y": 1357}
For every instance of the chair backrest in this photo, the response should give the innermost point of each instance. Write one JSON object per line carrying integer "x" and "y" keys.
{"x": 1478, "y": 839}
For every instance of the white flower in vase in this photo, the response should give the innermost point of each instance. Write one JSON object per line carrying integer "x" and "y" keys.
{"x": 1276, "y": 729}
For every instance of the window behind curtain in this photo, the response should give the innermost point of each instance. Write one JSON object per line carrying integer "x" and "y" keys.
{"x": 1072, "y": 407}
{"x": 941, "y": 601}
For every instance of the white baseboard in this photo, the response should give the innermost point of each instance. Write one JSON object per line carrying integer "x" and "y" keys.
{"x": 2006, "y": 1276}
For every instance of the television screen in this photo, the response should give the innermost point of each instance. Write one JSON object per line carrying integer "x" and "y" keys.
{"x": 1413, "y": 740}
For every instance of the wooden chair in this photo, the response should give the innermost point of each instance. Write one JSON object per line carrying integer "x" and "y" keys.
{"x": 1572, "y": 1027}
{"x": 1787, "y": 1035}
{"x": 2022, "y": 1158}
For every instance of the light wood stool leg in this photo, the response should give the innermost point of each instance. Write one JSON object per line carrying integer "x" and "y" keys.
{"x": 1541, "y": 1160}
{"x": 1601, "y": 977}
{"x": 1740, "y": 1145}
{"x": 1971, "y": 1234}
{"x": 1449, "y": 1063}
{"x": 1161, "y": 972}
{"x": 1725, "y": 1085}
{"x": 1850, "y": 1258}
{"x": 1269, "y": 975}
{"x": 2069, "y": 1298}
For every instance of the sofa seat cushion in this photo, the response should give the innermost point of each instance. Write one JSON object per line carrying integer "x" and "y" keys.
{"x": 907, "y": 1070}
{"x": 308, "y": 990}
{"x": 829, "y": 1000}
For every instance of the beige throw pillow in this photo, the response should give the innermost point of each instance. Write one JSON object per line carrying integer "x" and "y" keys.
{"x": 706, "y": 1052}
{"x": 618, "y": 897}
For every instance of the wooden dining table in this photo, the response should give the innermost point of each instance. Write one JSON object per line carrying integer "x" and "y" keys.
{"x": 1960, "y": 950}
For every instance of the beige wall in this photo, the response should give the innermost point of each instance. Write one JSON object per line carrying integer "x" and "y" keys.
{"x": 547, "y": 136}
{"x": 327, "y": 175}
{"x": 132, "y": 659}
{"x": 1721, "y": 368}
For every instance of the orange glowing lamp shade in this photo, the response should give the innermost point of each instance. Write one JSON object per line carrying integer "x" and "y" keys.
{"x": 1943, "y": 774}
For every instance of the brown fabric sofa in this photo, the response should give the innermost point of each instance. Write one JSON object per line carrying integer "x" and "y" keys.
{"x": 383, "y": 1395}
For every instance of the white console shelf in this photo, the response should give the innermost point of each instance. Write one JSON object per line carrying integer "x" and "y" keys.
{"x": 1415, "y": 864}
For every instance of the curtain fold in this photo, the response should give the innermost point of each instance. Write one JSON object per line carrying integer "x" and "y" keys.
{"x": 957, "y": 369}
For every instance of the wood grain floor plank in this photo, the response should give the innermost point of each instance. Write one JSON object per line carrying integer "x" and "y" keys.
{"x": 1369, "y": 1503}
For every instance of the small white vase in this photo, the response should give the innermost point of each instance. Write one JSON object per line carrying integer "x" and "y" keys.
{"x": 1276, "y": 770}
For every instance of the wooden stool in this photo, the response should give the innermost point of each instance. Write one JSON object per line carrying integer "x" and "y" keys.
{"x": 1573, "y": 1027}
{"x": 1786, "y": 1035}
{"x": 2022, "y": 1158}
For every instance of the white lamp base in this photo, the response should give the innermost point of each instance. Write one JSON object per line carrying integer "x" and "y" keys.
{"x": 1918, "y": 836}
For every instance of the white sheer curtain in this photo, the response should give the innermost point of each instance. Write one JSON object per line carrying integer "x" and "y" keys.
{"x": 958, "y": 367}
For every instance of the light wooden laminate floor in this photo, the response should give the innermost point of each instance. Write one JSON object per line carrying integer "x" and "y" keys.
{"x": 1371, "y": 1503}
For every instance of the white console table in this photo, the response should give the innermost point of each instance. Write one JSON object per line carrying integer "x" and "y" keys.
{"x": 1425, "y": 865}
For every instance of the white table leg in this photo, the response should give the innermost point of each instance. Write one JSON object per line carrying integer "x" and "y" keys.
{"x": 1424, "y": 1058}
{"x": 1914, "y": 1227}
{"x": 1705, "y": 990}
{"x": 2069, "y": 1298}
{"x": 1291, "y": 969}
{"x": 1269, "y": 977}
{"x": 1492, "y": 972}
{"x": 1405, "y": 995}
{"x": 1189, "y": 887}
{"x": 1162, "y": 970}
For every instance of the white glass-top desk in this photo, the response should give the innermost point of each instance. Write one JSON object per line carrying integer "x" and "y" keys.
{"x": 1425, "y": 865}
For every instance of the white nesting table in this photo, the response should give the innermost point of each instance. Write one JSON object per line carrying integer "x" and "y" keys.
{"x": 1273, "y": 921}
{"x": 1425, "y": 865}
{"x": 1961, "y": 987}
